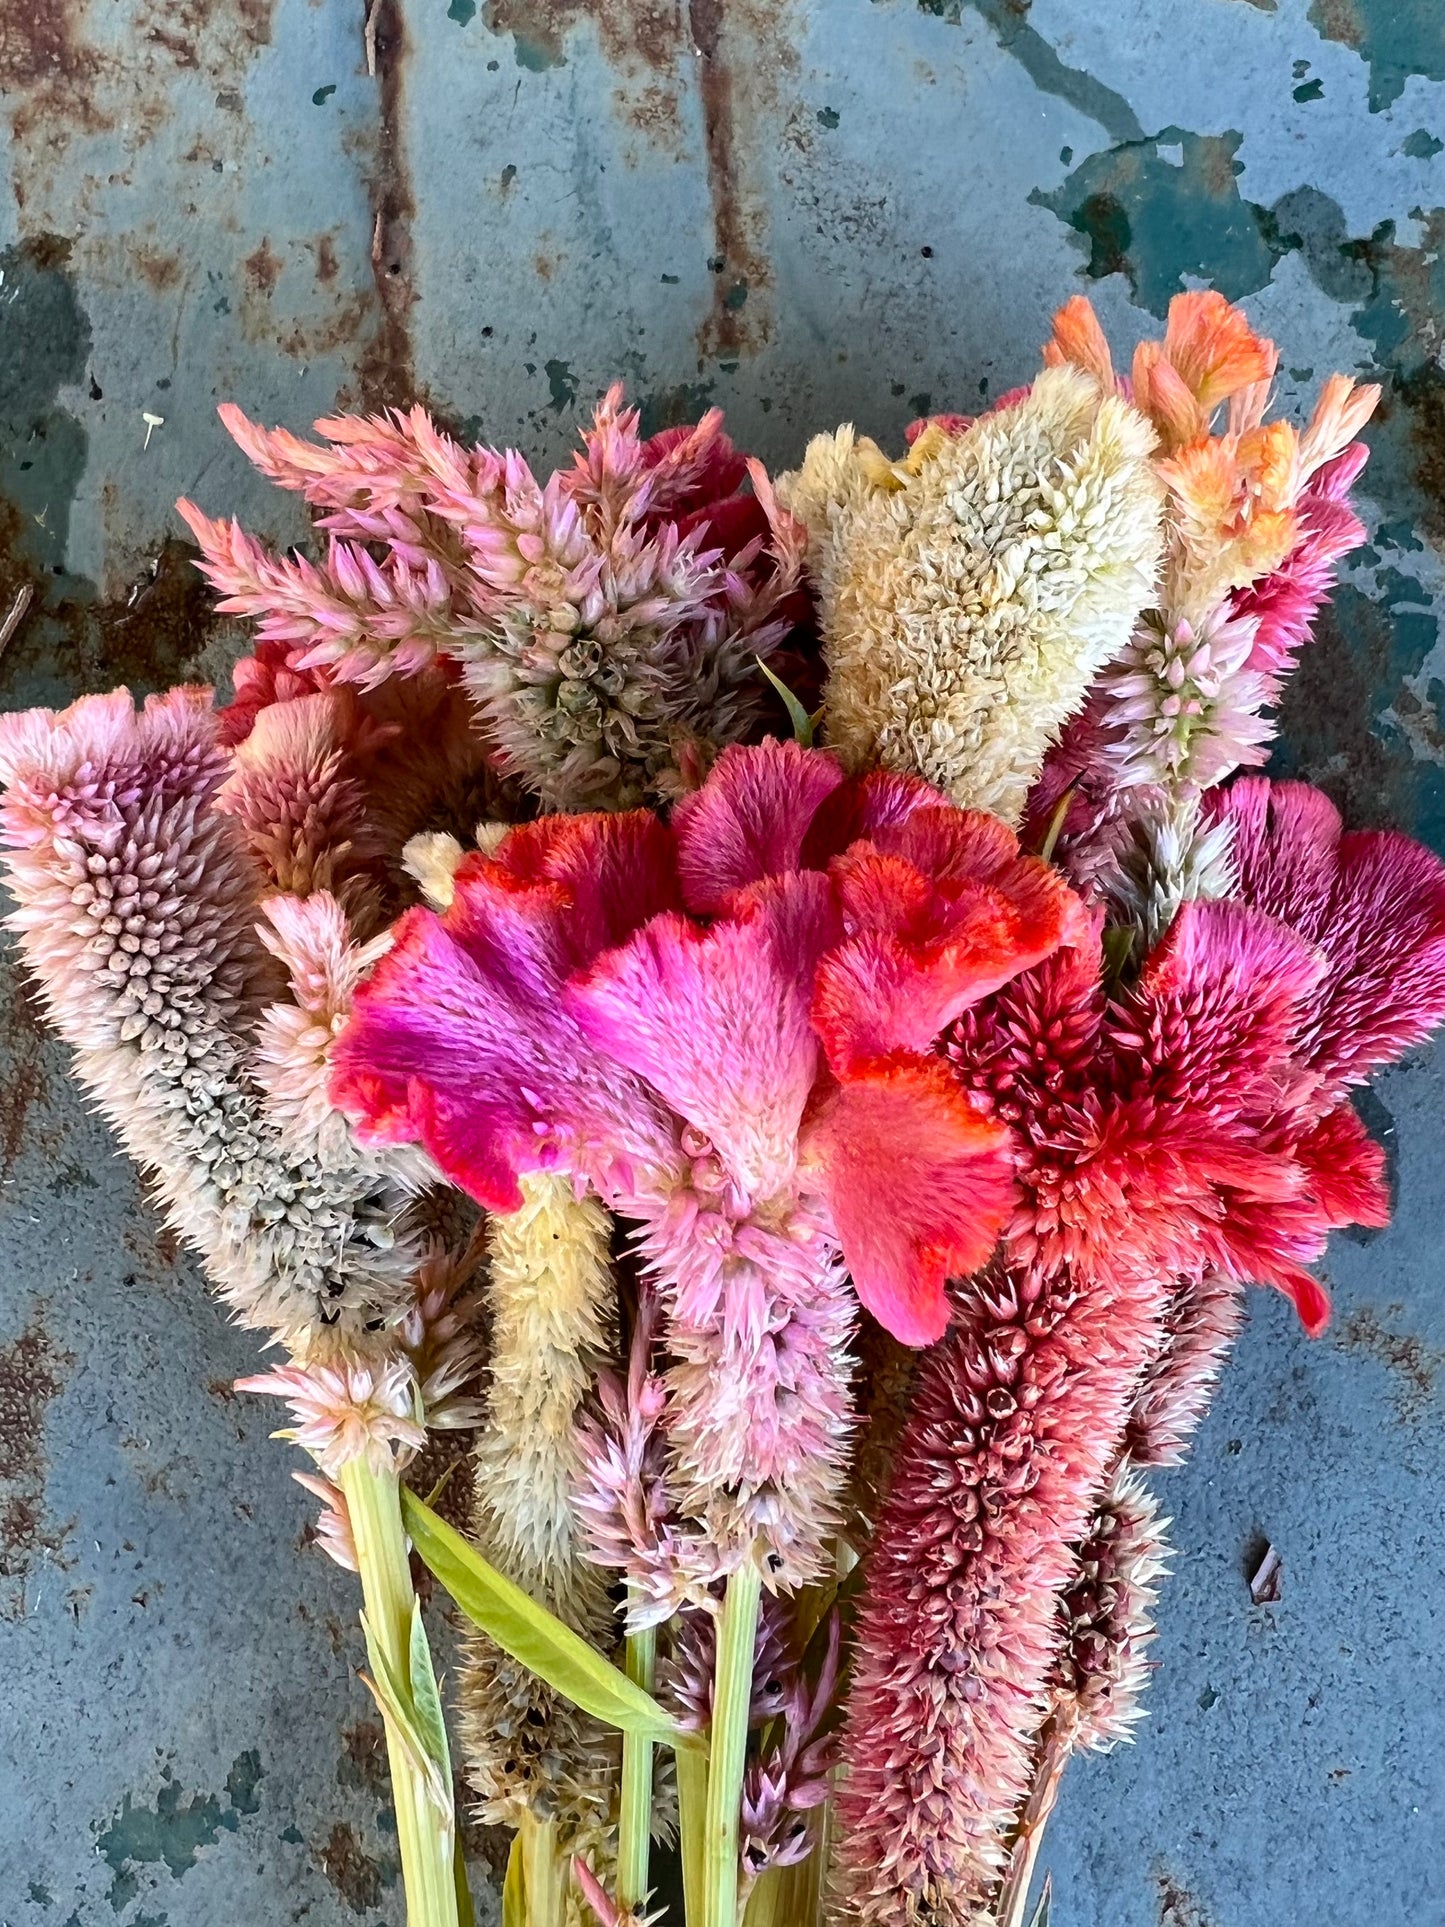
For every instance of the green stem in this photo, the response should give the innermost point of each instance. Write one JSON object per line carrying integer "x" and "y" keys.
{"x": 691, "y": 1765}
{"x": 634, "y": 1821}
{"x": 731, "y": 1697}
{"x": 544, "y": 1877}
{"x": 425, "y": 1836}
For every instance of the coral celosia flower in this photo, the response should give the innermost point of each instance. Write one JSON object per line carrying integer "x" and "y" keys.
{"x": 724, "y": 1028}
{"x": 1174, "y": 1142}
{"x": 608, "y": 622}
{"x": 137, "y": 906}
{"x": 971, "y": 592}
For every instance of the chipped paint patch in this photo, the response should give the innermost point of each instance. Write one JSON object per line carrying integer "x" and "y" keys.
{"x": 1396, "y": 38}
{"x": 173, "y": 1830}
{"x": 1166, "y": 212}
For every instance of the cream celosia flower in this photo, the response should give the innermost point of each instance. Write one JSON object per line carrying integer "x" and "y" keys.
{"x": 348, "y": 1411}
{"x": 528, "y": 1751}
{"x": 971, "y": 592}
{"x": 136, "y": 909}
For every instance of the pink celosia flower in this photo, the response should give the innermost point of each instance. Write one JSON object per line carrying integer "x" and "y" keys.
{"x": 725, "y": 1029}
{"x": 608, "y": 622}
{"x": 333, "y": 1525}
{"x": 136, "y": 907}
{"x": 346, "y": 1412}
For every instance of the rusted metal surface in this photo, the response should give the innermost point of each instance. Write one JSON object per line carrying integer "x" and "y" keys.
{"x": 803, "y": 210}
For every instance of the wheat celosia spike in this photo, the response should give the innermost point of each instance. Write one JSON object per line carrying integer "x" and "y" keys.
{"x": 1202, "y": 1317}
{"x": 1016, "y": 1415}
{"x": 971, "y": 592}
{"x": 1108, "y": 1614}
{"x": 551, "y": 1292}
{"x": 136, "y": 909}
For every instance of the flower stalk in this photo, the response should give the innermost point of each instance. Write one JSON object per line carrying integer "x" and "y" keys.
{"x": 732, "y": 1698}
{"x": 425, "y": 1818}
{"x": 634, "y": 1825}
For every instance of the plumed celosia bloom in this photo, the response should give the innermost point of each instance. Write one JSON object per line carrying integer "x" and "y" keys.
{"x": 971, "y": 592}
{"x": 1109, "y": 1614}
{"x": 1257, "y": 518}
{"x": 608, "y": 621}
{"x": 1152, "y": 861}
{"x": 136, "y": 909}
{"x": 1195, "y": 1129}
{"x": 550, "y": 1291}
{"x": 346, "y": 1412}
{"x": 626, "y": 1508}
{"x": 1203, "y": 1312}
{"x": 725, "y": 1028}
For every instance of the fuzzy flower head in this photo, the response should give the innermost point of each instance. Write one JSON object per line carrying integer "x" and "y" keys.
{"x": 607, "y": 621}
{"x": 724, "y": 1028}
{"x": 347, "y": 1412}
{"x": 742, "y": 1006}
{"x": 137, "y": 905}
{"x": 971, "y": 592}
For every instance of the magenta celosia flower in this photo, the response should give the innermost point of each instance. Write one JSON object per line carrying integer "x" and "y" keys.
{"x": 608, "y": 622}
{"x": 724, "y": 1028}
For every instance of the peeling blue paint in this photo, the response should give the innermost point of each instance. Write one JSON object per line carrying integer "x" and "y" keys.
{"x": 173, "y": 1830}
{"x": 1397, "y": 38}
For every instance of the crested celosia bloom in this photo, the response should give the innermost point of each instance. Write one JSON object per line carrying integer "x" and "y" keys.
{"x": 971, "y": 592}
{"x": 724, "y": 1027}
{"x": 136, "y": 909}
{"x": 608, "y": 622}
{"x": 1196, "y": 1127}
{"x": 550, "y": 1294}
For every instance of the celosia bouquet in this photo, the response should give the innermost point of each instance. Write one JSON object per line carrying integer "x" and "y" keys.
{"x": 821, "y": 1179}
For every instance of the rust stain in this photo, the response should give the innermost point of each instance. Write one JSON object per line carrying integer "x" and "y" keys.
{"x": 157, "y": 269}
{"x": 33, "y": 1369}
{"x": 734, "y": 103}
{"x": 263, "y": 269}
{"x": 1176, "y": 1906}
{"x": 386, "y": 372}
{"x": 152, "y": 634}
{"x": 326, "y": 262}
{"x": 636, "y": 36}
{"x": 350, "y": 1869}
{"x": 45, "y": 62}
{"x": 1409, "y": 1360}
{"x": 363, "y": 1758}
{"x": 24, "y": 1084}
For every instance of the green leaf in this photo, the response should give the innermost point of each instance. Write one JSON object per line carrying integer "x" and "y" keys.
{"x": 466, "y": 1909}
{"x": 798, "y": 716}
{"x": 1046, "y": 1904}
{"x": 534, "y": 1637}
{"x": 514, "y": 1892}
{"x": 392, "y": 1697}
{"x": 426, "y": 1700}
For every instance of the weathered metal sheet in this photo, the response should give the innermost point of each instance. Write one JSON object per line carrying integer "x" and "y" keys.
{"x": 803, "y": 210}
